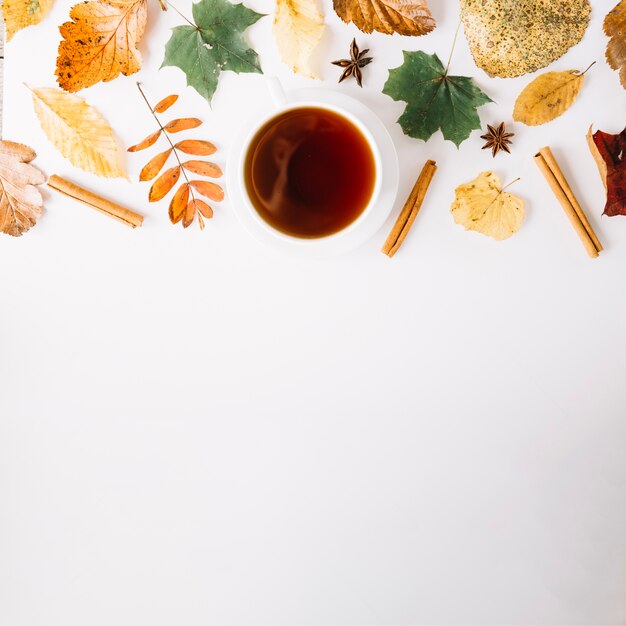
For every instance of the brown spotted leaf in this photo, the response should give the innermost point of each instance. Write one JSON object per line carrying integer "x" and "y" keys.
{"x": 175, "y": 126}
{"x": 615, "y": 28}
{"x": 100, "y": 42}
{"x": 514, "y": 37}
{"x": 197, "y": 147}
{"x": 405, "y": 17}
{"x": 150, "y": 140}
{"x": 154, "y": 166}
{"x": 20, "y": 200}
{"x": 165, "y": 104}
{"x": 209, "y": 190}
{"x": 203, "y": 168}
{"x": 163, "y": 184}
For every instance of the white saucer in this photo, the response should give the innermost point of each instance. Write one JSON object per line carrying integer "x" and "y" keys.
{"x": 355, "y": 235}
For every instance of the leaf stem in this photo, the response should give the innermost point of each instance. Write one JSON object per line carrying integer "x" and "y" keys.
{"x": 182, "y": 169}
{"x": 456, "y": 34}
{"x": 169, "y": 4}
{"x": 509, "y": 184}
{"x": 590, "y": 66}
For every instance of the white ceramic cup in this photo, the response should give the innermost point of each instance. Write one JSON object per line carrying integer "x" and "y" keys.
{"x": 282, "y": 104}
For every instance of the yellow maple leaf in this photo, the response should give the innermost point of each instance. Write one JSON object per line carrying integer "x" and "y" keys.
{"x": 19, "y": 14}
{"x": 547, "y": 97}
{"x": 100, "y": 42}
{"x": 298, "y": 27}
{"x": 482, "y": 205}
{"x": 77, "y": 131}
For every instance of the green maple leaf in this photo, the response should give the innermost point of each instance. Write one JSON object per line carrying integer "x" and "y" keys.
{"x": 213, "y": 45}
{"x": 434, "y": 99}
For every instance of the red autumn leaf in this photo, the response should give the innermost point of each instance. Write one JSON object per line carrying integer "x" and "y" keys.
{"x": 610, "y": 155}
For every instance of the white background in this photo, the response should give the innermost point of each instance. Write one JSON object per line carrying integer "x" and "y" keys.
{"x": 198, "y": 430}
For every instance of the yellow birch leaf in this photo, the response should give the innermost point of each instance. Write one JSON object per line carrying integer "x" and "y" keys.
{"x": 19, "y": 14}
{"x": 547, "y": 97}
{"x": 77, "y": 131}
{"x": 298, "y": 27}
{"x": 483, "y": 206}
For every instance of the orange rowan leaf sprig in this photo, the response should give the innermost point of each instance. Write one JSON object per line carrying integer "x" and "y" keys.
{"x": 184, "y": 205}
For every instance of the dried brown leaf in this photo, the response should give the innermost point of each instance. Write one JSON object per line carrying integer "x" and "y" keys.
{"x": 18, "y": 150}
{"x": 150, "y": 140}
{"x": 21, "y": 203}
{"x": 154, "y": 166}
{"x": 615, "y": 28}
{"x": 197, "y": 147}
{"x": 165, "y": 104}
{"x": 405, "y": 17}
{"x": 209, "y": 190}
{"x": 204, "y": 168}
{"x": 185, "y": 123}
{"x": 163, "y": 184}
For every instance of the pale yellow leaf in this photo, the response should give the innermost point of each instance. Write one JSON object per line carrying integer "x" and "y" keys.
{"x": 481, "y": 205}
{"x": 547, "y": 97}
{"x": 298, "y": 27}
{"x": 19, "y": 14}
{"x": 77, "y": 131}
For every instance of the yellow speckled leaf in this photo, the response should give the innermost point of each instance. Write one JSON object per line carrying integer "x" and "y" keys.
{"x": 514, "y": 37}
{"x": 298, "y": 27}
{"x": 77, "y": 131}
{"x": 19, "y": 14}
{"x": 482, "y": 206}
{"x": 100, "y": 42}
{"x": 615, "y": 28}
{"x": 405, "y": 17}
{"x": 547, "y": 97}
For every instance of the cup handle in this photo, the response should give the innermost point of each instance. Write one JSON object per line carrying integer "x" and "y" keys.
{"x": 277, "y": 92}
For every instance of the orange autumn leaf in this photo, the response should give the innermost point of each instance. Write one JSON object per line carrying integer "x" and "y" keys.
{"x": 163, "y": 184}
{"x": 175, "y": 126}
{"x": 154, "y": 166}
{"x": 197, "y": 147}
{"x": 178, "y": 205}
{"x": 100, "y": 42}
{"x": 184, "y": 206}
{"x": 150, "y": 140}
{"x": 208, "y": 190}
{"x": 204, "y": 168}
{"x": 165, "y": 104}
{"x": 202, "y": 207}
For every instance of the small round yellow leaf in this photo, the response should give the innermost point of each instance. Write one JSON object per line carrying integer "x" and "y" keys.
{"x": 483, "y": 206}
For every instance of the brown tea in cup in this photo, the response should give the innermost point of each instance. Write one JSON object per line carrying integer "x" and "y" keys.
{"x": 309, "y": 172}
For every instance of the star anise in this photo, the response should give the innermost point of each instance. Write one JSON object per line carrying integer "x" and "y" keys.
{"x": 354, "y": 64}
{"x": 497, "y": 139}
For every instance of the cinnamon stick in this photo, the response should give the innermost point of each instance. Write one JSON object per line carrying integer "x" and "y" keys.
{"x": 120, "y": 213}
{"x": 410, "y": 210}
{"x": 560, "y": 187}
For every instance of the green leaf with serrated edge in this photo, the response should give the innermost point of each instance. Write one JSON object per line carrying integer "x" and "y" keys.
{"x": 434, "y": 99}
{"x": 215, "y": 45}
